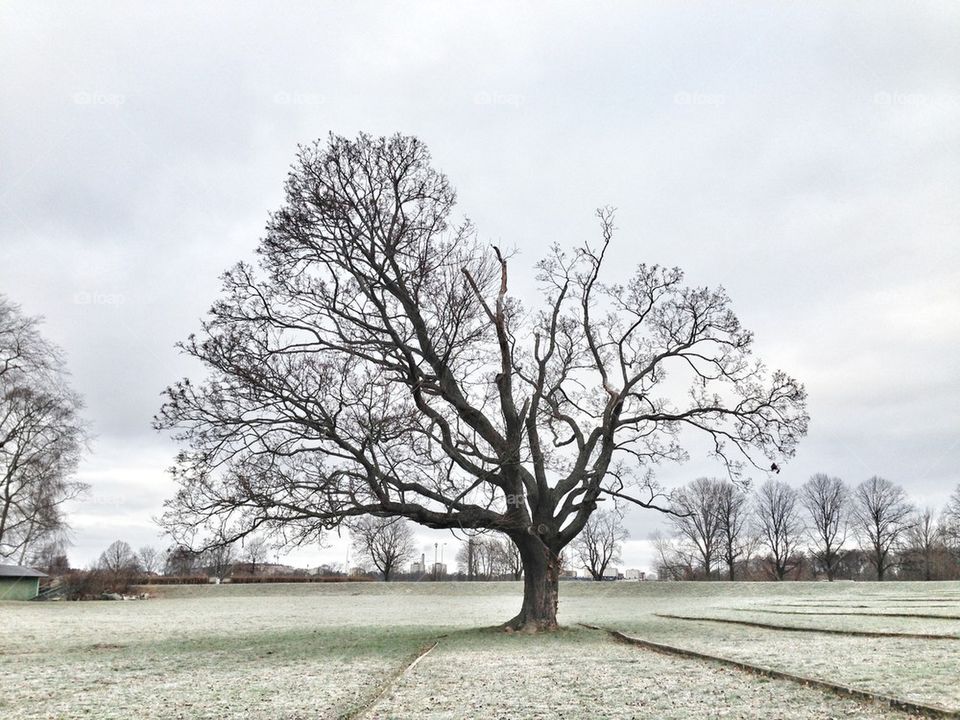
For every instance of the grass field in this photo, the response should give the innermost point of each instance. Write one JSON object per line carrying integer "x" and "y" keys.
{"x": 339, "y": 651}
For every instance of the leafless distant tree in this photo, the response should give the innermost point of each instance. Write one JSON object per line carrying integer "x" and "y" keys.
{"x": 180, "y": 561}
{"x": 256, "y": 550}
{"x": 468, "y": 557}
{"x": 118, "y": 558}
{"x": 950, "y": 524}
{"x": 41, "y": 437}
{"x": 697, "y": 519}
{"x": 51, "y": 558}
{"x": 675, "y": 558}
{"x": 386, "y": 542}
{"x": 780, "y": 526}
{"x": 489, "y": 558}
{"x": 218, "y": 560}
{"x": 375, "y": 364}
{"x": 826, "y": 500}
{"x": 601, "y": 542}
{"x": 149, "y": 559}
{"x": 925, "y": 541}
{"x": 508, "y": 558}
{"x": 883, "y": 516}
{"x": 733, "y": 525}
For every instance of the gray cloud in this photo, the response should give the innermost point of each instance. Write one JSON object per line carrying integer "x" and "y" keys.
{"x": 804, "y": 157}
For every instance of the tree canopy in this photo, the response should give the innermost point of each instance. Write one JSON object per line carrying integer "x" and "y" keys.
{"x": 375, "y": 363}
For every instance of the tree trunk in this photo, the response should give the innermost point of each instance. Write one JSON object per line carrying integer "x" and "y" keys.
{"x": 731, "y": 571}
{"x": 541, "y": 576}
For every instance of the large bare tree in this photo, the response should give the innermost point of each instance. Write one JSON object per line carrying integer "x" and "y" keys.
{"x": 780, "y": 526}
{"x": 376, "y": 364}
{"x": 882, "y": 516}
{"x": 41, "y": 437}
{"x": 386, "y": 542}
{"x": 600, "y": 542}
{"x": 826, "y": 500}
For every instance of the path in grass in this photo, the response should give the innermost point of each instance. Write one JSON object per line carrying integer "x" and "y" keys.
{"x": 876, "y": 652}
{"x": 578, "y": 673}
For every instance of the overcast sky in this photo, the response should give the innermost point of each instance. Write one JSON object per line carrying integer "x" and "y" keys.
{"x": 804, "y": 156}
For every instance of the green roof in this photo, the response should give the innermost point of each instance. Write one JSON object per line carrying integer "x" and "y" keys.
{"x": 19, "y": 572}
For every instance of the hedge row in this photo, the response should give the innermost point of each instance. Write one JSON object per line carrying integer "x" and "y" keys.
{"x": 243, "y": 579}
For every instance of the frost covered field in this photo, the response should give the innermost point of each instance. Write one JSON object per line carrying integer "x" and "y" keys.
{"x": 329, "y": 651}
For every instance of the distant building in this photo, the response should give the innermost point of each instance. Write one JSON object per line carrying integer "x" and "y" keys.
{"x": 19, "y": 583}
{"x": 612, "y": 573}
{"x": 419, "y": 568}
{"x": 634, "y": 574}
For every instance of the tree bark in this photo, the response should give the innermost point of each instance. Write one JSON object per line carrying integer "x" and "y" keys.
{"x": 541, "y": 576}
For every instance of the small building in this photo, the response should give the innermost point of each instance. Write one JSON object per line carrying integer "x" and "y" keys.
{"x": 19, "y": 583}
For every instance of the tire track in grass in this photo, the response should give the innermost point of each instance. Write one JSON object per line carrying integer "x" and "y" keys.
{"x": 794, "y": 628}
{"x": 894, "y": 703}
{"x": 391, "y": 681}
{"x": 849, "y": 606}
{"x": 799, "y": 613}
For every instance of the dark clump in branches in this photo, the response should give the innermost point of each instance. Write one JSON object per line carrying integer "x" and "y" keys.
{"x": 375, "y": 364}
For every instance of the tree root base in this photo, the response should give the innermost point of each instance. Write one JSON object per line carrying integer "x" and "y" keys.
{"x": 520, "y": 624}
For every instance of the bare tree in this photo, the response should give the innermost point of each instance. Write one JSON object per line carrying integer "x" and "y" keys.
{"x": 675, "y": 557}
{"x": 826, "y": 500}
{"x": 882, "y": 515}
{"x": 256, "y": 550}
{"x": 696, "y": 519}
{"x": 468, "y": 557}
{"x": 41, "y": 437}
{"x": 600, "y": 542}
{"x": 180, "y": 561}
{"x": 780, "y": 526}
{"x": 118, "y": 558}
{"x": 51, "y": 558}
{"x": 376, "y": 364}
{"x": 950, "y": 524}
{"x": 508, "y": 558}
{"x": 387, "y": 543}
{"x": 149, "y": 559}
{"x": 488, "y": 558}
{"x": 733, "y": 525}
{"x": 924, "y": 542}
{"x": 218, "y": 560}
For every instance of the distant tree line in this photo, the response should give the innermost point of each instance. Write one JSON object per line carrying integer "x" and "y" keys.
{"x": 825, "y": 529}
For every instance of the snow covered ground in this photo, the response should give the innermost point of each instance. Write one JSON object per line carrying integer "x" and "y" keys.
{"x": 328, "y": 651}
